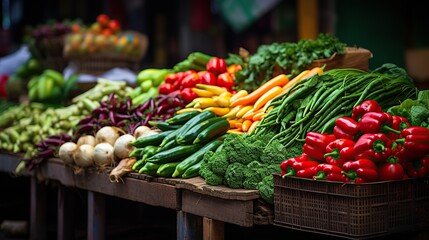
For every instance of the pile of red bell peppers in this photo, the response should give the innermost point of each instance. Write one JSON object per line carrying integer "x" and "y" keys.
{"x": 217, "y": 73}
{"x": 368, "y": 146}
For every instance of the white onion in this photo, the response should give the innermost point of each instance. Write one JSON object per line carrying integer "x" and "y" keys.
{"x": 108, "y": 134}
{"x": 122, "y": 147}
{"x": 84, "y": 156}
{"x": 66, "y": 152}
{"x": 86, "y": 139}
{"x": 141, "y": 131}
{"x": 103, "y": 155}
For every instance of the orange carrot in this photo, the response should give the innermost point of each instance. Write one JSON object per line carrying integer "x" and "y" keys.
{"x": 239, "y": 125}
{"x": 270, "y": 94}
{"x": 249, "y": 99}
{"x": 246, "y": 125}
{"x": 253, "y": 126}
{"x": 303, "y": 75}
{"x": 258, "y": 116}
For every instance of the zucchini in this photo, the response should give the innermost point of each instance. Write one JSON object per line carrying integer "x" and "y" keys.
{"x": 202, "y": 116}
{"x": 182, "y": 118}
{"x": 149, "y": 169}
{"x": 166, "y": 169}
{"x": 155, "y": 139}
{"x": 170, "y": 137}
{"x": 215, "y": 130}
{"x": 174, "y": 154}
{"x": 170, "y": 144}
{"x": 196, "y": 157}
{"x": 192, "y": 171}
{"x": 163, "y": 126}
{"x": 190, "y": 135}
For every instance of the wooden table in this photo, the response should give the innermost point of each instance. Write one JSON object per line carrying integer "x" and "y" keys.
{"x": 201, "y": 209}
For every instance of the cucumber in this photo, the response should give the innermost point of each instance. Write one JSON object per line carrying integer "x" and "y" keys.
{"x": 149, "y": 169}
{"x": 154, "y": 140}
{"x": 196, "y": 157}
{"x": 170, "y": 144}
{"x": 166, "y": 169}
{"x": 189, "y": 136}
{"x": 215, "y": 130}
{"x": 169, "y": 137}
{"x": 174, "y": 154}
{"x": 192, "y": 171}
{"x": 182, "y": 118}
{"x": 163, "y": 126}
{"x": 202, "y": 116}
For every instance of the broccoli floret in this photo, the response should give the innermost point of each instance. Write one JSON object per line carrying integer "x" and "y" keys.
{"x": 274, "y": 153}
{"x": 242, "y": 149}
{"x": 251, "y": 176}
{"x": 234, "y": 176}
{"x": 218, "y": 163}
{"x": 208, "y": 175}
{"x": 266, "y": 189}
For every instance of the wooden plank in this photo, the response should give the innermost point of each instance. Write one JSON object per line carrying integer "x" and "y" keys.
{"x": 237, "y": 212}
{"x": 308, "y": 23}
{"x": 189, "y": 226}
{"x": 65, "y": 214}
{"x": 96, "y": 216}
{"x": 9, "y": 162}
{"x": 131, "y": 189}
{"x": 38, "y": 226}
{"x": 213, "y": 229}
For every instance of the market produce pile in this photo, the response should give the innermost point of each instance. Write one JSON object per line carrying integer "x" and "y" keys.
{"x": 200, "y": 119}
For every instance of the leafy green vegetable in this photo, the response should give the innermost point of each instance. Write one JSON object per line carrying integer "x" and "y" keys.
{"x": 292, "y": 57}
{"x": 234, "y": 175}
{"x": 266, "y": 188}
{"x": 416, "y": 111}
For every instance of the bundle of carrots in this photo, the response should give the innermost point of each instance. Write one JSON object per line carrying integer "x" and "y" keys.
{"x": 244, "y": 110}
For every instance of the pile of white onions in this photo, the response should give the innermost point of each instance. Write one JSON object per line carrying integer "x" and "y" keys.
{"x": 104, "y": 150}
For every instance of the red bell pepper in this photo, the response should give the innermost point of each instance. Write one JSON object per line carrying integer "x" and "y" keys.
{"x": 373, "y": 146}
{"x": 291, "y": 166}
{"x": 376, "y": 122}
{"x": 391, "y": 170}
{"x": 171, "y": 77}
{"x": 323, "y": 170}
{"x": 188, "y": 95}
{"x": 360, "y": 171}
{"x": 339, "y": 151}
{"x": 365, "y": 107}
{"x": 398, "y": 123}
{"x": 418, "y": 168}
{"x": 207, "y": 77}
{"x": 415, "y": 140}
{"x": 306, "y": 172}
{"x": 216, "y": 65}
{"x": 225, "y": 80}
{"x": 315, "y": 145}
{"x": 165, "y": 88}
{"x": 346, "y": 127}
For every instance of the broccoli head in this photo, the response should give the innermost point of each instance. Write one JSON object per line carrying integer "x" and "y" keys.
{"x": 218, "y": 163}
{"x": 234, "y": 176}
{"x": 251, "y": 176}
{"x": 242, "y": 149}
{"x": 209, "y": 176}
{"x": 274, "y": 153}
{"x": 266, "y": 189}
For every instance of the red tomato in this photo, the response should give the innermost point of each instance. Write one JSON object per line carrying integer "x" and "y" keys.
{"x": 191, "y": 80}
{"x": 103, "y": 20}
{"x": 216, "y": 65}
{"x": 188, "y": 95}
{"x": 207, "y": 77}
{"x": 114, "y": 25}
{"x": 165, "y": 88}
{"x": 225, "y": 80}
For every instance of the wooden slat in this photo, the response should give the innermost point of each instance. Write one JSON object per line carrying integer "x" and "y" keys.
{"x": 65, "y": 214}
{"x": 213, "y": 229}
{"x": 189, "y": 226}
{"x": 96, "y": 229}
{"x": 231, "y": 211}
{"x": 38, "y": 228}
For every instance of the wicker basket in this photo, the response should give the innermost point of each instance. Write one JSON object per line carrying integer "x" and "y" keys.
{"x": 351, "y": 210}
{"x": 49, "y": 51}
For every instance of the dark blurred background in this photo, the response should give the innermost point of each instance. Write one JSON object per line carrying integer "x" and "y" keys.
{"x": 394, "y": 31}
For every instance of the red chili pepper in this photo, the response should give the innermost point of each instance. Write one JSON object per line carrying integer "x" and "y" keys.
{"x": 188, "y": 95}
{"x": 346, "y": 127}
{"x": 398, "y": 123}
{"x": 339, "y": 151}
{"x": 323, "y": 169}
{"x": 216, "y": 65}
{"x": 360, "y": 171}
{"x": 376, "y": 122}
{"x": 373, "y": 146}
{"x": 207, "y": 77}
{"x": 415, "y": 140}
{"x": 391, "y": 170}
{"x": 365, "y": 107}
{"x": 418, "y": 168}
{"x": 315, "y": 145}
{"x": 225, "y": 80}
{"x": 291, "y": 166}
